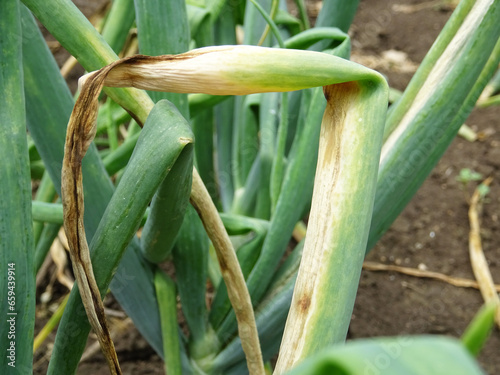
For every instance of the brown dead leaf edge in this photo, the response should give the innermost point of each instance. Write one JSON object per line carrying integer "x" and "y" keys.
{"x": 79, "y": 136}
{"x": 80, "y": 133}
{"x": 477, "y": 258}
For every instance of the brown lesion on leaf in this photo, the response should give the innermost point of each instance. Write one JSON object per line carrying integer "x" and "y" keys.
{"x": 80, "y": 133}
{"x": 223, "y": 265}
{"x": 339, "y": 98}
{"x": 304, "y": 303}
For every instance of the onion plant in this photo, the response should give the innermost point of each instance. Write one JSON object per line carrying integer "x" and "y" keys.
{"x": 231, "y": 145}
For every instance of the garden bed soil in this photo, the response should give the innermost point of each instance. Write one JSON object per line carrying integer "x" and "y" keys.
{"x": 431, "y": 233}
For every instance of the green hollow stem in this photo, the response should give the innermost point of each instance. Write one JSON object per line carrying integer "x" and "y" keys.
{"x": 49, "y": 233}
{"x": 278, "y": 168}
{"x": 112, "y": 136}
{"x": 155, "y": 39}
{"x": 77, "y": 35}
{"x": 309, "y": 37}
{"x": 268, "y": 118}
{"x": 171, "y": 200}
{"x": 167, "y": 304}
{"x": 270, "y": 23}
{"x": 479, "y": 329}
{"x": 47, "y": 212}
{"x": 245, "y": 145}
{"x": 51, "y": 325}
{"x": 255, "y": 24}
{"x": 118, "y": 23}
{"x": 350, "y": 142}
{"x": 495, "y": 82}
{"x": 409, "y": 355}
{"x": 17, "y": 279}
{"x": 203, "y": 127}
{"x": 490, "y": 95}
{"x": 46, "y": 193}
{"x": 202, "y": 123}
{"x": 225, "y": 33}
{"x": 190, "y": 256}
{"x": 492, "y": 100}
{"x": 111, "y": 113}
{"x": 304, "y": 19}
{"x": 335, "y": 13}
{"x": 398, "y": 110}
{"x": 53, "y": 212}
{"x": 167, "y": 210}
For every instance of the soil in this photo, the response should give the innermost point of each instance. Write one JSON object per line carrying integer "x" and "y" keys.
{"x": 431, "y": 233}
